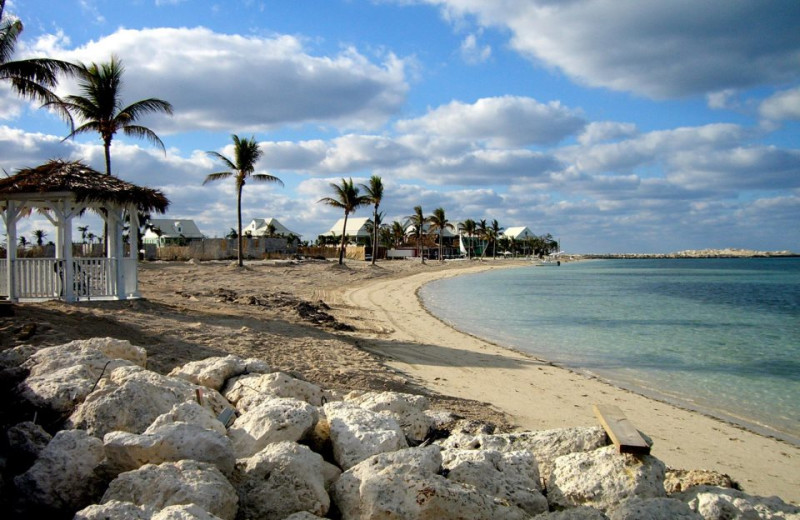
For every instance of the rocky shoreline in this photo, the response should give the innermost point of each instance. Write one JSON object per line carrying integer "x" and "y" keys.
{"x": 698, "y": 253}
{"x": 231, "y": 438}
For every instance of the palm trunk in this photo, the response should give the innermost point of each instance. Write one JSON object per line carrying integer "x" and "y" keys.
{"x": 375, "y": 234}
{"x": 441, "y": 258}
{"x": 344, "y": 237}
{"x": 239, "y": 217}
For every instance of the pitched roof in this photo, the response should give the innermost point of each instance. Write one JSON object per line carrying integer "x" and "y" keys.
{"x": 259, "y": 226}
{"x": 174, "y": 228}
{"x": 86, "y": 184}
{"x": 356, "y": 227}
{"x": 518, "y": 232}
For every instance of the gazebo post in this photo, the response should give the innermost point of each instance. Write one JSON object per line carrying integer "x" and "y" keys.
{"x": 65, "y": 223}
{"x": 11, "y": 216}
{"x": 133, "y": 252}
{"x": 114, "y": 221}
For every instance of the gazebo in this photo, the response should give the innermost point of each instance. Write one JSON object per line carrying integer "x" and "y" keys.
{"x": 62, "y": 190}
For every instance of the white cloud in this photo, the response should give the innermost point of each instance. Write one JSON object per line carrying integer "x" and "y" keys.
{"x": 600, "y": 131}
{"x": 501, "y": 121}
{"x": 472, "y": 52}
{"x": 651, "y": 47}
{"x": 783, "y": 105}
{"x": 229, "y": 82}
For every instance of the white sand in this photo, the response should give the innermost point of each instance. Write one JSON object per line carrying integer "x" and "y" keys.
{"x": 540, "y": 396}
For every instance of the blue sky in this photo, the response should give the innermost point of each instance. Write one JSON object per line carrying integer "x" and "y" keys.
{"x": 617, "y": 126}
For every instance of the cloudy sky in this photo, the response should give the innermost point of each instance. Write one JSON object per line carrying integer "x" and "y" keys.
{"x": 615, "y": 125}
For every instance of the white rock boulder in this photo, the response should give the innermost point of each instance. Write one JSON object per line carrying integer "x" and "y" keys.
{"x": 406, "y": 484}
{"x": 282, "y": 479}
{"x": 184, "y": 512}
{"x": 66, "y": 475}
{"x": 511, "y": 476}
{"x": 247, "y": 391}
{"x": 154, "y": 488}
{"x": 212, "y": 372}
{"x": 188, "y": 412}
{"x": 273, "y": 420}
{"x": 546, "y": 445}
{"x": 716, "y": 503}
{"x": 113, "y": 509}
{"x": 168, "y": 443}
{"x": 407, "y": 409}
{"x": 604, "y": 478}
{"x": 577, "y": 513}
{"x": 132, "y": 398}
{"x": 357, "y": 434}
{"x": 653, "y": 509}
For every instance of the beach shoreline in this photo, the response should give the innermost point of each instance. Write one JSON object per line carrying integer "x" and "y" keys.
{"x": 683, "y": 438}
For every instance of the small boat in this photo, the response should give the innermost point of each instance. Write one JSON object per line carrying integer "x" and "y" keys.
{"x": 552, "y": 260}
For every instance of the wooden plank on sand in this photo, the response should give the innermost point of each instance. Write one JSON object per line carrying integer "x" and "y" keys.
{"x": 621, "y": 431}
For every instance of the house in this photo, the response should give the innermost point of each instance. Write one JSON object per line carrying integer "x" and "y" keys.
{"x": 171, "y": 232}
{"x": 357, "y": 230}
{"x": 518, "y": 233}
{"x": 264, "y": 227}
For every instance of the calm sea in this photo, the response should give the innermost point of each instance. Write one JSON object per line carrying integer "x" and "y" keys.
{"x": 717, "y": 335}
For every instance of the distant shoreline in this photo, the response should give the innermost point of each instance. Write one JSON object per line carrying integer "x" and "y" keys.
{"x": 701, "y": 253}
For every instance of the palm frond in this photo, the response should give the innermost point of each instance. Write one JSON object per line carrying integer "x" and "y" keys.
{"x": 143, "y": 132}
{"x": 265, "y": 177}
{"x": 146, "y": 106}
{"x": 211, "y": 177}
{"x": 222, "y": 158}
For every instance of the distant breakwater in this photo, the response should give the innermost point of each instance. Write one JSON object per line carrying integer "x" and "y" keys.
{"x": 697, "y": 253}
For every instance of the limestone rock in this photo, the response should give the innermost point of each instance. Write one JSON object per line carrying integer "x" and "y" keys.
{"x": 214, "y": 371}
{"x": 546, "y": 445}
{"x": 677, "y": 480}
{"x": 716, "y": 503}
{"x": 653, "y": 509}
{"x": 26, "y": 441}
{"x": 511, "y": 476}
{"x": 170, "y": 442}
{"x": 65, "y": 477}
{"x": 407, "y": 409}
{"x": 246, "y": 391}
{"x": 184, "y": 512}
{"x": 282, "y": 479}
{"x": 302, "y": 515}
{"x": 357, "y": 434}
{"x": 132, "y": 398}
{"x": 154, "y": 488}
{"x": 576, "y": 513}
{"x": 604, "y": 478}
{"x": 61, "y": 377}
{"x": 188, "y": 412}
{"x": 405, "y": 484}
{"x": 113, "y": 509}
{"x": 273, "y": 420}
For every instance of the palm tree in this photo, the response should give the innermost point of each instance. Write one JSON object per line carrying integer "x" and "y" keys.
{"x": 482, "y": 231}
{"x": 439, "y": 223}
{"x": 101, "y": 110}
{"x": 40, "y": 236}
{"x": 495, "y": 229}
{"x": 83, "y": 230}
{"x": 374, "y": 193}
{"x": 398, "y": 233}
{"x": 345, "y": 197}
{"x": 418, "y": 220}
{"x": 467, "y": 228}
{"x": 31, "y": 78}
{"x": 23, "y": 242}
{"x": 246, "y": 154}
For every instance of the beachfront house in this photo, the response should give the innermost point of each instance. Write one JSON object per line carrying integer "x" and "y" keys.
{"x": 358, "y": 232}
{"x": 450, "y": 248}
{"x": 171, "y": 232}
{"x": 268, "y": 227}
{"x": 518, "y": 233}
{"x": 61, "y": 191}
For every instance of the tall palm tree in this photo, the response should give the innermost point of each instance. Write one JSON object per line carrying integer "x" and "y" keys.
{"x": 346, "y": 197}
{"x": 374, "y": 192}
{"x": 398, "y": 233}
{"x": 483, "y": 233}
{"x": 439, "y": 223}
{"x": 467, "y": 228}
{"x": 31, "y": 78}
{"x": 100, "y": 108}
{"x": 495, "y": 230}
{"x": 246, "y": 154}
{"x": 418, "y": 220}
{"x": 40, "y": 235}
{"x": 83, "y": 230}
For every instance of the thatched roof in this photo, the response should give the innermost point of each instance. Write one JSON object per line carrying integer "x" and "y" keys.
{"x": 86, "y": 184}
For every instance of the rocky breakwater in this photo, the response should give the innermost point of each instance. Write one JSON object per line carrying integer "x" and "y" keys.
{"x": 229, "y": 438}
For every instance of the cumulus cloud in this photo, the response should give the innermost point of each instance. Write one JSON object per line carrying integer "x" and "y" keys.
{"x": 501, "y": 121}
{"x": 472, "y": 52}
{"x": 783, "y": 105}
{"x": 651, "y": 47}
{"x": 222, "y": 82}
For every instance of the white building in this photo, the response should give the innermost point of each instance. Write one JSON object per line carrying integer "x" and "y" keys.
{"x": 356, "y": 229}
{"x": 169, "y": 231}
{"x": 518, "y": 233}
{"x": 260, "y": 227}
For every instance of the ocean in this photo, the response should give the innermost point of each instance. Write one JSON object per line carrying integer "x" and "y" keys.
{"x": 721, "y": 336}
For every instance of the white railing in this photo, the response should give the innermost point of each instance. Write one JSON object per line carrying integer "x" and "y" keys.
{"x": 43, "y": 278}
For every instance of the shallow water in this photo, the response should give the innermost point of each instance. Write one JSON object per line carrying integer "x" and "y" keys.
{"x": 718, "y": 335}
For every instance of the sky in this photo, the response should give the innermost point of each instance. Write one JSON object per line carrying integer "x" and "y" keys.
{"x": 614, "y": 125}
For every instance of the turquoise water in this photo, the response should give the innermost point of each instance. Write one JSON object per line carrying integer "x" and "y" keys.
{"x": 718, "y": 335}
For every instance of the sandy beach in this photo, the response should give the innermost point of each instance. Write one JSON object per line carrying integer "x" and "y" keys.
{"x": 271, "y": 310}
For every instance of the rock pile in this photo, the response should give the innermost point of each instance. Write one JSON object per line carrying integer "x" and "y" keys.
{"x": 228, "y": 438}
